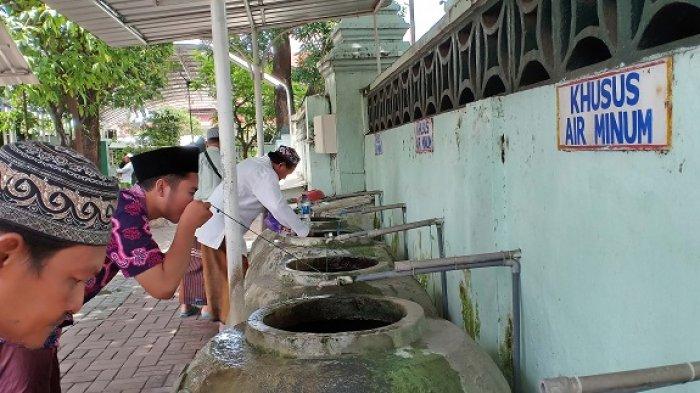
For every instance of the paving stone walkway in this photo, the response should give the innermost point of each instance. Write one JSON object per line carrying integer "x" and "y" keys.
{"x": 126, "y": 341}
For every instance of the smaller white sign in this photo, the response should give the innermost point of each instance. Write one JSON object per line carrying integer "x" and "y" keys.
{"x": 424, "y": 136}
{"x": 626, "y": 109}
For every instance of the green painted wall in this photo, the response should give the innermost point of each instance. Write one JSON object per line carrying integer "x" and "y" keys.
{"x": 348, "y": 166}
{"x": 349, "y": 68}
{"x": 609, "y": 239}
{"x": 317, "y": 166}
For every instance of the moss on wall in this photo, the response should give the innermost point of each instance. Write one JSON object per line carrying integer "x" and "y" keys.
{"x": 470, "y": 311}
{"x": 505, "y": 353}
{"x": 395, "y": 245}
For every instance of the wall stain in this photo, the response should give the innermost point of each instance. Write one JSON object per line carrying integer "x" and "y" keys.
{"x": 458, "y": 140}
{"x": 470, "y": 312}
{"x": 504, "y": 146}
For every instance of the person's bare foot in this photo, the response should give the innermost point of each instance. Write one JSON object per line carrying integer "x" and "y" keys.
{"x": 206, "y": 313}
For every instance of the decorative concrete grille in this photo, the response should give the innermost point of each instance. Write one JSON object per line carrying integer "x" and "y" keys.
{"x": 503, "y": 46}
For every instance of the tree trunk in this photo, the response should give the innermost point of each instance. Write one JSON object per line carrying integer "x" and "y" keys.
{"x": 71, "y": 104}
{"x": 87, "y": 130}
{"x": 57, "y": 117}
{"x": 282, "y": 69}
{"x": 91, "y": 138}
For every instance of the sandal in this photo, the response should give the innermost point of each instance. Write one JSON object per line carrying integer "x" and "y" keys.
{"x": 189, "y": 312}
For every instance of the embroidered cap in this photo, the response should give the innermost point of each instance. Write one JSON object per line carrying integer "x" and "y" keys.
{"x": 55, "y": 191}
{"x": 289, "y": 155}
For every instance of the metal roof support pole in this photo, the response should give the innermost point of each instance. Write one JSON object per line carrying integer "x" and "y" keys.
{"x": 189, "y": 110}
{"x": 405, "y": 234}
{"x": 269, "y": 79}
{"x": 288, "y": 92}
{"x": 224, "y": 97}
{"x": 257, "y": 85}
{"x": 412, "y": 19}
{"x": 257, "y": 81}
{"x": 443, "y": 275}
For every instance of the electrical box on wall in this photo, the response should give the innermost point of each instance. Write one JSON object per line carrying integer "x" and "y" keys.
{"x": 325, "y": 135}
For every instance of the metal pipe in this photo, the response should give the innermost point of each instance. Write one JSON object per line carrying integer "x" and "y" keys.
{"x": 419, "y": 270}
{"x": 257, "y": 88}
{"x": 351, "y": 195}
{"x": 456, "y": 262}
{"x": 117, "y": 18}
{"x": 289, "y": 105}
{"x": 16, "y": 74}
{"x": 257, "y": 81}
{"x": 325, "y": 208}
{"x": 189, "y": 109}
{"x": 372, "y": 209}
{"x": 411, "y": 268}
{"x": 227, "y": 128}
{"x": 468, "y": 262}
{"x": 625, "y": 381}
{"x": 388, "y": 230}
{"x": 443, "y": 275}
{"x": 405, "y": 234}
{"x": 515, "y": 271}
{"x": 271, "y": 79}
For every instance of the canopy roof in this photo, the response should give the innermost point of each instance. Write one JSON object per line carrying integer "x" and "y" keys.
{"x": 174, "y": 95}
{"x": 14, "y": 69}
{"x": 138, "y": 22}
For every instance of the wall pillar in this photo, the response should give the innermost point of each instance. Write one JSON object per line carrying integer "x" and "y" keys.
{"x": 350, "y": 67}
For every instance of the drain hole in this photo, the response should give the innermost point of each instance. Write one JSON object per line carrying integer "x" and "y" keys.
{"x": 331, "y": 264}
{"x": 335, "y": 315}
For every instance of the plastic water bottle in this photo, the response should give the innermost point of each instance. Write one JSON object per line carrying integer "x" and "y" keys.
{"x": 305, "y": 208}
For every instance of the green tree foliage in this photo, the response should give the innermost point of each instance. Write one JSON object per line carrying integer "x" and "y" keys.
{"x": 78, "y": 73}
{"x": 243, "y": 101}
{"x": 22, "y": 117}
{"x": 165, "y": 127}
{"x": 316, "y": 42}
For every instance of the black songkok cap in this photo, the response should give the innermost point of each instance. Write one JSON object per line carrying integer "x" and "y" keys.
{"x": 56, "y": 192}
{"x": 175, "y": 160}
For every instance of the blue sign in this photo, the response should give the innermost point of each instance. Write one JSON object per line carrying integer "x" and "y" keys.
{"x": 424, "y": 136}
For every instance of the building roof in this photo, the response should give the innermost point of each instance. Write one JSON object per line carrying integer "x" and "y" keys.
{"x": 137, "y": 22}
{"x": 174, "y": 95}
{"x": 14, "y": 69}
